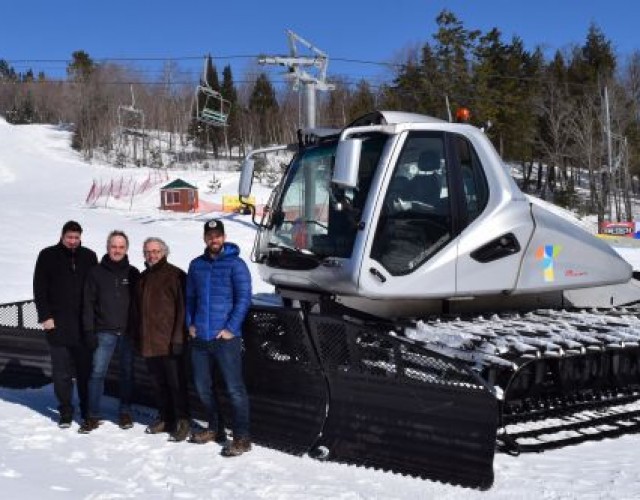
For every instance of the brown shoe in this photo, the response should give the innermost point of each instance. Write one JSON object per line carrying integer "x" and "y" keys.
{"x": 90, "y": 424}
{"x": 203, "y": 436}
{"x": 183, "y": 429}
{"x": 157, "y": 427}
{"x": 237, "y": 447}
{"x": 125, "y": 421}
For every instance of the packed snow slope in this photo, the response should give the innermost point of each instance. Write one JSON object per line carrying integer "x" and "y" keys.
{"x": 43, "y": 183}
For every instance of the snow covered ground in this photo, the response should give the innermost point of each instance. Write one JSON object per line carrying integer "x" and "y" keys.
{"x": 43, "y": 183}
{"x": 39, "y": 461}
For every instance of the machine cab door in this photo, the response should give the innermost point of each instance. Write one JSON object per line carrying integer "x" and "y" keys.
{"x": 494, "y": 227}
{"x": 409, "y": 251}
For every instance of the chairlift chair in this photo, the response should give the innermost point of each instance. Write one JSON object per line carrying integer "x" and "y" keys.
{"x": 211, "y": 107}
{"x": 130, "y": 118}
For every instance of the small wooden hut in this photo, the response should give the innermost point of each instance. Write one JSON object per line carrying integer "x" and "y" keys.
{"x": 179, "y": 196}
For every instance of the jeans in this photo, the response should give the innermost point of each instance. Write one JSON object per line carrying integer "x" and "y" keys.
{"x": 107, "y": 344}
{"x": 226, "y": 355}
{"x": 67, "y": 362}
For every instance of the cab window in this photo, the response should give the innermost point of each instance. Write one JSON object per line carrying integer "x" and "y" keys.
{"x": 474, "y": 183}
{"x": 415, "y": 220}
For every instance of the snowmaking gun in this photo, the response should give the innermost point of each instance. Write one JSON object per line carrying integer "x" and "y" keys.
{"x": 427, "y": 310}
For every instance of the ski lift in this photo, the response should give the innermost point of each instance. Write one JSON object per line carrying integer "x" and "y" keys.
{"x": 130, "y": 118}
{"x": 298, "y": 75}
{"x": 131, "y": 139}
{"x": 211, "y": 107}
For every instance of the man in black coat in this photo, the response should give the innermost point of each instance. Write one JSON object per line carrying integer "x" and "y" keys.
{"x": 58, "y": 282}
{"x": 109, "y": 325}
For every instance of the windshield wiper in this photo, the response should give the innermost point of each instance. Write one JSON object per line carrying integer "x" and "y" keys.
{"x": 287, "y": 257}
{"x": 287, "y": 248}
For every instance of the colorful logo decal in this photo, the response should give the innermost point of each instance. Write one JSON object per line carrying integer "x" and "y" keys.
{"x": 546, "y": 254}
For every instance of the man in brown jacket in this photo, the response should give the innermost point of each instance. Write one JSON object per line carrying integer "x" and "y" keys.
{"x": 163, "y": 338}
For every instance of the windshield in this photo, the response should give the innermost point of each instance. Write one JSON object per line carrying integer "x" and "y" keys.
{"x": 315, "y": 216}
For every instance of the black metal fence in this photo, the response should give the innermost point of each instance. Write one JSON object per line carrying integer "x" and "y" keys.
{"x": 24, "y": 356}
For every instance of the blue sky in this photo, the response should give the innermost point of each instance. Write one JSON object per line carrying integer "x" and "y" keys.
{"x": 368, "y": 30}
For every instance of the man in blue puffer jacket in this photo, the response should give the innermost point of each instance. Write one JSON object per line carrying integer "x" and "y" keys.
{"x": 218, "y": 297}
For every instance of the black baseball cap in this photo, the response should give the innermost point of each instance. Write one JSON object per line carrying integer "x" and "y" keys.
{"x": 214, "y": 225}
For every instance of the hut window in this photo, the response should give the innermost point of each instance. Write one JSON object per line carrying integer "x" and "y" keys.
{"x": 172, "y": 198}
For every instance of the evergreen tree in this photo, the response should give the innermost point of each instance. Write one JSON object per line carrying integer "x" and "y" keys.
{"x": 595, "y": 62}
{"x": 557, "y": 69}
{"x": 632, "y": 85}
{"x": 7, "y": 73}
{"x": 264, "y": 106}
{"x": 503, "y": 89}
{"x": 80, "y": 67}
{"x": 8, "y": 93}
{"x": 418, "y": 86}
{"x": 214, "y": 135}
{"x": 534, "y": 67}
{"x": 91, "y": 105}
{"x": 433, "y": 101}
{"x": 408, "y": 90}
{"x": 228, "y": 89}
{"x": 28, "y": 76}
{"x": 263, "y": 97}
{"x": 211, "y": 74}
{"x": 229, "y": 92}
{"x": 362, "y": 101}
{"x": 489, "y": 81}
{"x": 22, "y": 112}
{"x": 454, "y": 44}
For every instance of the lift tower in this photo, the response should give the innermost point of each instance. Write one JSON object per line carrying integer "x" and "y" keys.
{"x": 296, "y": 65}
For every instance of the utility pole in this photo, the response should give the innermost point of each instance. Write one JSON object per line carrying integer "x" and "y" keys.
{"x": 609, "y": 153}
{"x": 295, "y": 65}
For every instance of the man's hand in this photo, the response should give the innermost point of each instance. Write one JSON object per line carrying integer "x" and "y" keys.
{"x": 225, "y": 334}
{"x": 48, "y": 324}
{"x": 192, "y": 331}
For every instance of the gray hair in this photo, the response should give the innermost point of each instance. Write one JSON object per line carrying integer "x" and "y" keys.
{"x": 117, "y": 232}
{"x": 159, "y": 241}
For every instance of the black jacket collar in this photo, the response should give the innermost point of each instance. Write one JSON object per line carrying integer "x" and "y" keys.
{"x": 115, "y": 266}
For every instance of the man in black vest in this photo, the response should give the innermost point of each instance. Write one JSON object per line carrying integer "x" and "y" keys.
{"x": 58, "y": 282}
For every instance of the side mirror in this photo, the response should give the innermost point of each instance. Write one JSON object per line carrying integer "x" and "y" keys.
{"x": 246, "y": 178}
{"x": 345, "y": 170}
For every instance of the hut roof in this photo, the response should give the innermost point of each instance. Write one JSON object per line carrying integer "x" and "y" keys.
{"x": 178, "y": 184}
